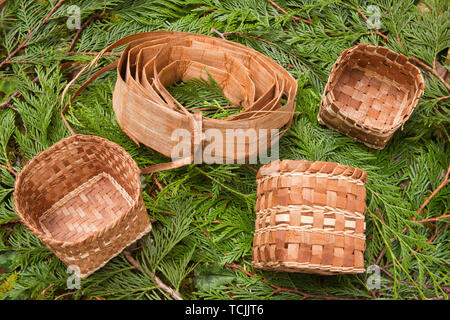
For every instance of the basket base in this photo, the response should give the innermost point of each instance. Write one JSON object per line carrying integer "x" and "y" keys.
{"x": 307, "y": 268}
{"x": 91, "y": 207}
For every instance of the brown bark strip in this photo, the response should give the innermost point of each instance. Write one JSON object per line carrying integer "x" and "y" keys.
{"x": 173, "y": 293}
{"x": 27, "y": 39}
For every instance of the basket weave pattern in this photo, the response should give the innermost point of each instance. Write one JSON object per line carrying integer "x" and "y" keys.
{"x": 82, "y": 198}
{"x": 310, "y": 218}
{"x": 371, "y": 92}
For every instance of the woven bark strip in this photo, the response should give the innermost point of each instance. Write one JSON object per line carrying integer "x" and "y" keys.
{"x": 83, "y": 198}
{"x": 370, "y": 93}
{"x": 148, "y": 114}
{"x": 310, "y": 217}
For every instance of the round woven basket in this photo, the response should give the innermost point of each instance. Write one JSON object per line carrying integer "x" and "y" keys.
{"x": 310, "y": 217}
{"x": 370, "y": 93}
{"x": 82, "y": 198}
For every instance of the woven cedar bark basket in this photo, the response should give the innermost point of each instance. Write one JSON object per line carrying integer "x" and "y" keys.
{"x": 148, "y": 114}
{"x": 310, "y": 218}
{"x": 82, "y": 198}
{"x": 371, "y": 92}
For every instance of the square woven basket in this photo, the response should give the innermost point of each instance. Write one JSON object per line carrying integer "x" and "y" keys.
{"x": 82, "y": 198}
{"x": 310, "y": 218}
{"x": 370, "y": 93}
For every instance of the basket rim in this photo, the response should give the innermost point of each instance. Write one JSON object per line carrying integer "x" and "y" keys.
{"x": 29, "y": 165}
{"x": 364, "y": 47}
{"x": 328, "y": 168}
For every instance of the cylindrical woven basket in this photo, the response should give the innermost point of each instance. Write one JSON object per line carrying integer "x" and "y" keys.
{"x": 370, "y": 93}
{"x": 148, "y": 114}
{"x": 82, "y": 198}
{"x": 310, "y": 218}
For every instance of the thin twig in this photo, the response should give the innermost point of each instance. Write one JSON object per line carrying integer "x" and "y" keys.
{"x": 27, "y": 39}
{"x": 16, "y": 93}
{"x": 444, "y": 182}
{"x": 79, "y": 31}
{"x": 66, "y": 294}
{"x": 433, "y": 71}
{"x": 157, "y": 183}
{"x": 250, "y": 167}
{"x": 46, "y": 289}
{"x": 225, "y": 34}
{"x": 9, "y": 169}
{"x": 434, "y": 219}
{"x": 308, "y": 21}
{"x": 2, "y": 3}
{"x": 376, "y": 31}
{"x": 173, "y": 293}
{"x": 6, "y": 103}
{"x": 281, "y": 289}
{"x": 390, "y": 275}
{"x": 92, "y": 53}
{"x": 430, "y": 241}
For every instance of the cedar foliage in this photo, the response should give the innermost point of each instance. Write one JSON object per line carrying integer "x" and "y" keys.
{"x": 205, "y": 213}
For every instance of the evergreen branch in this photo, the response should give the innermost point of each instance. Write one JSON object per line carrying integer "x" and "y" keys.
{"x": 308, "y": 21}
{"x": 416, "y": 60}
{"x": 9, "y": 168}
{"x": 27, "y": 39}
{"x": 444, "y": 182}
{"x": 376, "y": 31}
{"x": 390, "y": 275}
{"x": 16, "y": 93}
{"x": 173, "y": 293}
{"x": 428, "y": 68}
{"x": 79, "y": 31}
{"x": 225, "y": 34}
{"x": 434, "y": 236}
{"x": 278, "y": 289}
